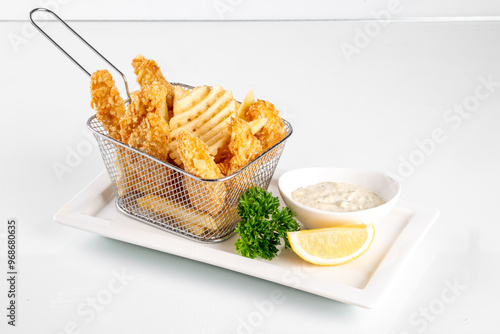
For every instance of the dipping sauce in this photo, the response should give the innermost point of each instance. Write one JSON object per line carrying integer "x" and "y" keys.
{"x": 337, "y": 197}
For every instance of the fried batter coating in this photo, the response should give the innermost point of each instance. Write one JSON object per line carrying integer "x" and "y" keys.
{"x": 144, "y": 126}
{"x": 136, "y": 176}
{"x": 243, "y": 147}
{"x": 274, "y": 129}
{"x": 195, "y": 157}
{"x": 153, "y": 98}
{"x": 224, "y": 166}
{"x": 151, "y": 137}
{"x": 134, "y": 115}
{"x": 107, "y": 102}
{"x": 148, "y": 71}
{"x": 203, "y": 195}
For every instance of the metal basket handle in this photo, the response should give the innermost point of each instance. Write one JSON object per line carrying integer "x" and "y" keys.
{"x": 81, "y": 38}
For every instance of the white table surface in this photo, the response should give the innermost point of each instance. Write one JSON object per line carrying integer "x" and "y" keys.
{"x": 366, "y": 113}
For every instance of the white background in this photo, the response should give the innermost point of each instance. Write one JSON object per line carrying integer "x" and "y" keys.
{"x": 248, "y": 9}
{"x": 367, "y": 110}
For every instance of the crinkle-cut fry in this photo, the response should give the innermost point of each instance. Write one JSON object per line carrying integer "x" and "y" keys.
{"x": 274, "y": 129}
{"x": 144, "y": 126}
{"x": 186, "y": 217}
{"x": 218, "y": 137}
{"x": 218, "y": 146}
{"x": 197, "y": 104}
{"x": 197, "y": 96}
{"x": 205, "y": 115}
{"x": 179, "y": 94}
{"x": 243, "y": 147}
{"x": 216, "y": 116}
{"x": 148, "y": 71}
{"x": 204, "y": 195}
{"x": 107, "y": 102}
{"x": 249, "y": 99}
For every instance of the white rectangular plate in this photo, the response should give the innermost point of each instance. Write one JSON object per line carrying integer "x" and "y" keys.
{"x": 361, "y": 282}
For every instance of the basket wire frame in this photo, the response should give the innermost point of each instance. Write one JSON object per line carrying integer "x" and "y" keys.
{"x": 167, "y": 197}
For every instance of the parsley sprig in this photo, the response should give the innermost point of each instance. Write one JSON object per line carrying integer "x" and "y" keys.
{"x": 263, "y": 224}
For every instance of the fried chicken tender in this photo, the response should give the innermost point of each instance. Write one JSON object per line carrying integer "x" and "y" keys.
{"x": 243, "y": 147}
{"x": 144, "y": 126}
{"x": 148, "y": 71}
{"x": 153, "y": 98}
{"x": 195, "y": 157}
{"x": 274, "y": 129}
{"x": 151, "y": 137}
{"x": 107, "y": 102}
{"x": 133, "y": 117}
{"x": 147, "y": 178}
{"x": 203, "y": 195}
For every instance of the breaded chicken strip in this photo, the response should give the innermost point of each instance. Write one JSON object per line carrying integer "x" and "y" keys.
{"x": 205, "y": 196}
{"x": 195, "y": 157}
{"x": 144, "y": 126}
{"x": 274, "y": 129}
{"x": 153, "y": 97}
{"x": 148, "y": 178}
{"x": 148, "y": 71}
{"x": 107, "y": 102}
{"x": 134, "y": 115}
{"x": 243, "y": 147}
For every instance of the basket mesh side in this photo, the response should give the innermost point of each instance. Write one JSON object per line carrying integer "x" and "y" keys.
{"x": 159, "y": 194}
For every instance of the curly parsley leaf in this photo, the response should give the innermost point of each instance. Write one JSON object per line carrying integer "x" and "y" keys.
{"x": 263, "y": 224}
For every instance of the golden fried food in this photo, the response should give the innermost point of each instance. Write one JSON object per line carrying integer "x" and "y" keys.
{"x": 205, "y": 114}
{"x": 203, "y": 130}
{"x": 144, "y": 126}
{"x": 274, "y": 129}
{"x": 154, "y": 98}
{"x": 151, "y": 137}
{"x": 204, "y": 195}
{"x": 147, "y": 178}
{"x": 147, "y": 72}
{"x": 179, "y": 94}
{"x": 249, "y": 99}
{"x": 244, "y": 146}
{"x": 224, "y": 165}
{"x": 124, "y": 187}
{"x": 257, "y": 124}
{"x": 133, "y": 116}
{"x": 107, "y": 102}
{"x": 192, "y": 101}
{"x": 187, "y": 218}
{"x": 195, "y": 157}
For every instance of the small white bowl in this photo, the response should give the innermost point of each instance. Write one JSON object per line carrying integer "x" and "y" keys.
{"x": 380, "y": 183}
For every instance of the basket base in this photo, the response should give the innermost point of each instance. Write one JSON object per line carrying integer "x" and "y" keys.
{"x": 169, "y": 228}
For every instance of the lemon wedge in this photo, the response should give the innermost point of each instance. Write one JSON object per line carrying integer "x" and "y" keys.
{"x": 334, "y": 245}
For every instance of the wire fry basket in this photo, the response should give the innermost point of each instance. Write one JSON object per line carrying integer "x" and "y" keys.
{"x": 167, "y": 197}
{"x": 163, "y": 195}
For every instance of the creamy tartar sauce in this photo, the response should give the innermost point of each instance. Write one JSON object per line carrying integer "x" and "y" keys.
{"x": 337, "y": 197}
